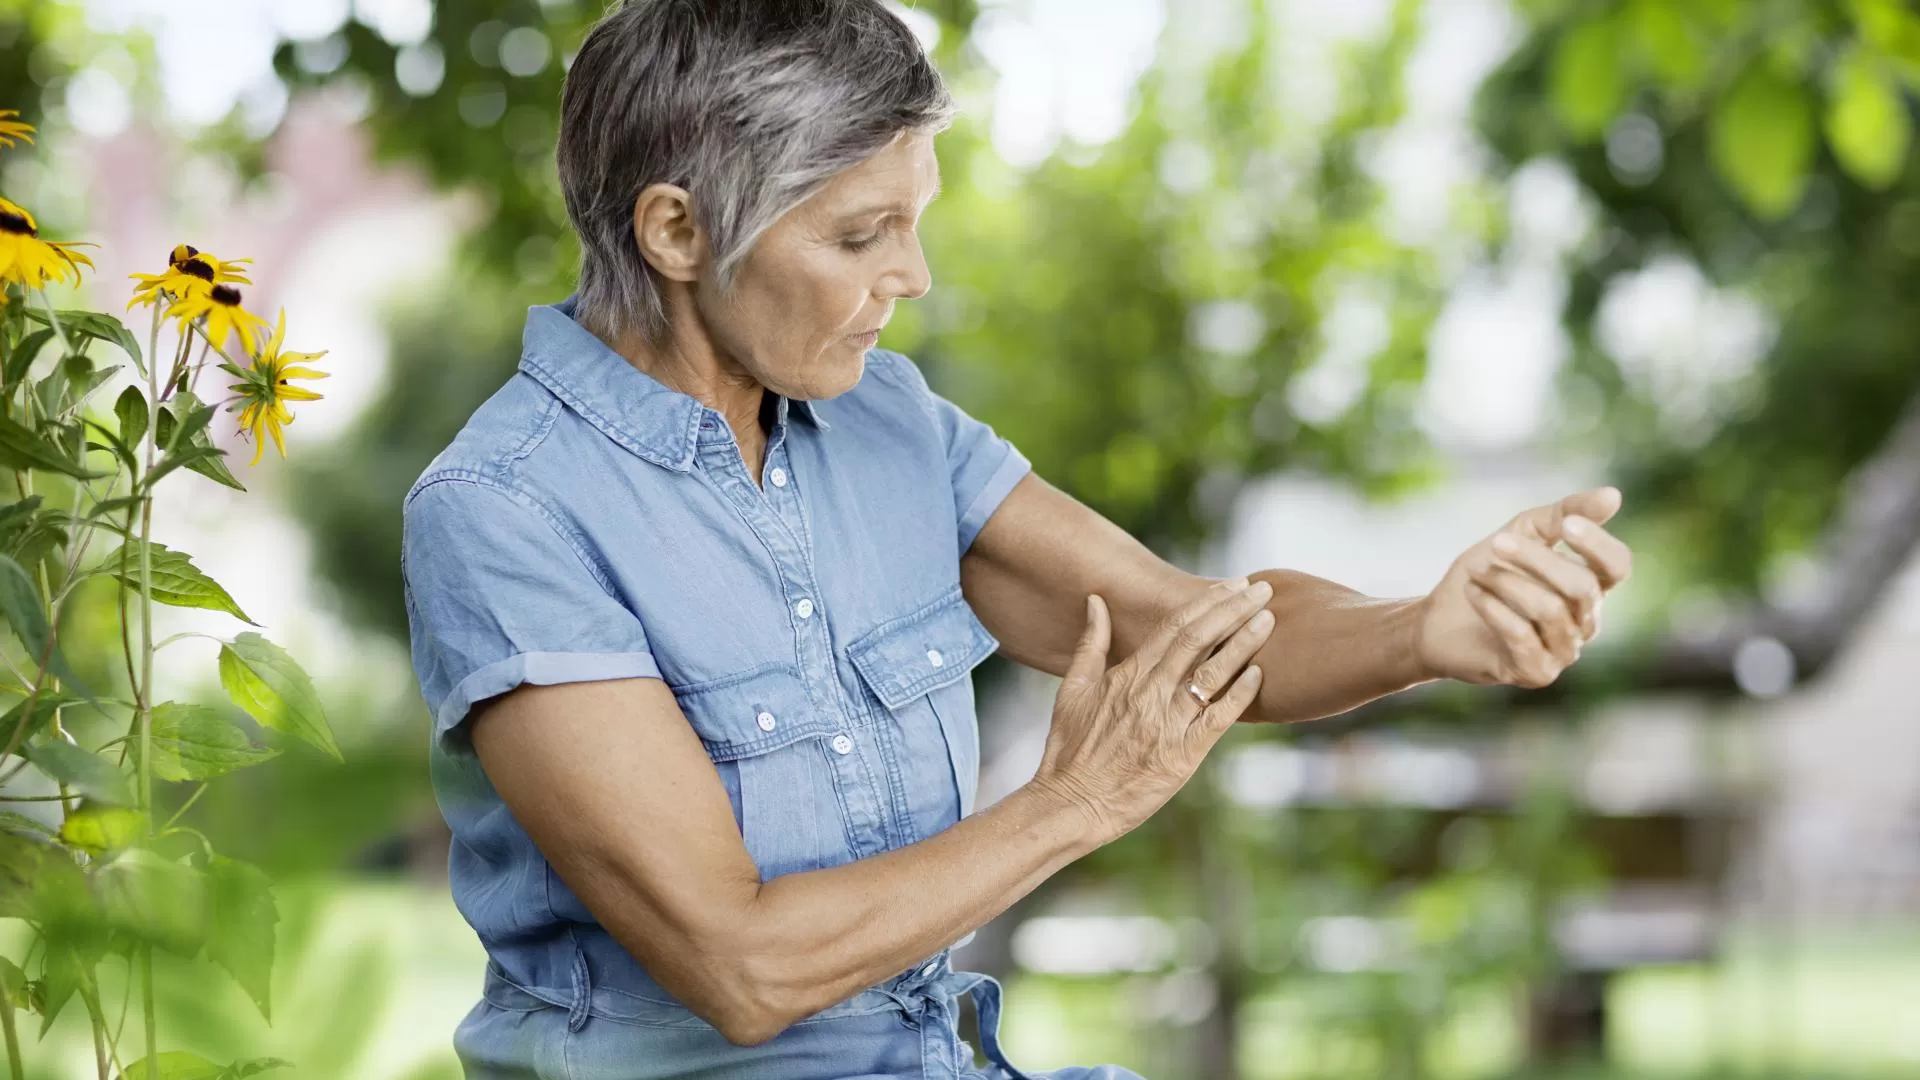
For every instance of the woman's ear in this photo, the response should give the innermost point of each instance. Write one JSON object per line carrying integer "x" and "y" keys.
{"x": 666, "y": 233}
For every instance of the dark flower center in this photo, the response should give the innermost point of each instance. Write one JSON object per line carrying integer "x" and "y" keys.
{"x": 14, "y": 223}
{"x": 196, "y": 267}
{"x": 181, "y": 253}
{"x": 226, "y": 294}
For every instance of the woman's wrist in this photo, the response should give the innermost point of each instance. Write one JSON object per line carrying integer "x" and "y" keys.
{"x": 1064, "y": 809}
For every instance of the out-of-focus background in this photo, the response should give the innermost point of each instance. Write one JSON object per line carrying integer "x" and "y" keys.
{"x": 1335, "y": 286}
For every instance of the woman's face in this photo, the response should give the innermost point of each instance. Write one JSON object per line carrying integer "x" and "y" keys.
{"x": 810, "y": 298}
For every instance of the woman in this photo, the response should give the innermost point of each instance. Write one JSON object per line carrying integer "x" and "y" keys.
{"x": 695, "y": 596}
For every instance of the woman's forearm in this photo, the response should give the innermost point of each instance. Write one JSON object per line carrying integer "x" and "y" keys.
{"x": 1333, "y": 649}
{"x": 806, "y": 941}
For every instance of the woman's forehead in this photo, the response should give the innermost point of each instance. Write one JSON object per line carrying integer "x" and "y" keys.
{"x": 901, "y": 179}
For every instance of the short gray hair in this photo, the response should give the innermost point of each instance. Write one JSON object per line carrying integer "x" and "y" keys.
{"x": 750, "y": 105}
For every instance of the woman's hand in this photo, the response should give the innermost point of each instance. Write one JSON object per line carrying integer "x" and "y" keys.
{"x": 1514, "y": 610}
{"x": 1126, "y": 737}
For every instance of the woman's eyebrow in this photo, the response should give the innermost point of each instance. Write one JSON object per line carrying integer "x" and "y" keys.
{"x": 897, "y": 206}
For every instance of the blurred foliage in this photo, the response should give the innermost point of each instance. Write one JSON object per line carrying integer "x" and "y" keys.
{"x": 1074, "y": 304}
{"x": 1770, "y": 144}
{"x": 1134, "y": 316}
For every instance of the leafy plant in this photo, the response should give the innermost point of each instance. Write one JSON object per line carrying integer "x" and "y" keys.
{"x": 108, "y": 876}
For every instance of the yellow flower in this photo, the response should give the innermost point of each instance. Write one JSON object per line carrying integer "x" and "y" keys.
{"x": 29, "y": 260}
{"x": 11, "y": 129}
{"x": 262, "y": 394}
{"x": 189, "y": 270}
{"x": 220, "y": 306}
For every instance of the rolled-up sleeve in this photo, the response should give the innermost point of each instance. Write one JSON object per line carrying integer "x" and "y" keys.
{"x": 498, "y": 595}
{"x": 984, "y": 466}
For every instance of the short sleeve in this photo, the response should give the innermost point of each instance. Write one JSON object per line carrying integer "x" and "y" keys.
{"x": 497, "y": 596}
{"x": 984, "y": 466}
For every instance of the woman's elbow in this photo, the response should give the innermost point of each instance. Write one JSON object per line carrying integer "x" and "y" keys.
{"x": 745, "y": 1002}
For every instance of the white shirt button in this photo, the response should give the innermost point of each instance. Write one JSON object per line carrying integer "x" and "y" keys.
{"x": 842, "y": 744}
{"x": 766, "y": 721}
{"x": 804, "y": 609}
{"x": 934, "y": 657}
{"x": 779, "y": 478}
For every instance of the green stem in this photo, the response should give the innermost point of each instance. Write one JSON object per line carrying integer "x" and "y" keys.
{"x": 185, "y": 806}
{"x": 143, "y": 697}
{"x": 18, "y": 1063}
{"x": 97, "y": 1017}
{"x": 146, "y": 1005}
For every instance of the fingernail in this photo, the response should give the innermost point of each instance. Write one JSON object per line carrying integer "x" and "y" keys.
{"x": 1263, "y": 590}
{"x": 1237, "y": 584}
{"x": 1505, "y": 544}
{"x": 1261, "y": 620}
{"x": 1577, "y": 525}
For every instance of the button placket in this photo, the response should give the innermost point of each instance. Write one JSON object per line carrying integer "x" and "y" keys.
{"x": 857, "y": 785}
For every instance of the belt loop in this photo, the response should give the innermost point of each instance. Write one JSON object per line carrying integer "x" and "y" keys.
{"x": 582, "y": 987}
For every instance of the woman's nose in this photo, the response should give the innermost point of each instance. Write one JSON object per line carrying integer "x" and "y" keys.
{"x": 910, "y": 279}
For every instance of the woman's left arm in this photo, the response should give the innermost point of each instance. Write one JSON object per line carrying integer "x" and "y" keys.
{"x": 1510, "y": 609}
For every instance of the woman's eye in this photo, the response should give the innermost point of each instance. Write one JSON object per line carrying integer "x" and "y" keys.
{"x": 864, "y": 243}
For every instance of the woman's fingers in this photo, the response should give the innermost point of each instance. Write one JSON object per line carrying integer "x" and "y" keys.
{"x": 1219, "y": 669}
{"x": 1216, "y": 718}
{"x": 1090, "y": 655}
{"x": 1570, "y": 578}
{"x": 1198, "y": 627}
{"x": 1547, "y": 610}
{"x": 1532, "y": 666}
{"x": 1611, "y": 560}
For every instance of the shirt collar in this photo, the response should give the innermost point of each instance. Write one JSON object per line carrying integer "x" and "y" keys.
{"x": 626, "y": 404}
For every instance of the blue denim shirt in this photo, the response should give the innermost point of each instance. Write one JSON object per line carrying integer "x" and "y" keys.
{"x": 590, "y": 523}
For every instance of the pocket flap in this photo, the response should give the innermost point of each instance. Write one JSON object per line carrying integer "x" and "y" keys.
{"x": 750, "y": 713}
{"x": 923, "y": 650}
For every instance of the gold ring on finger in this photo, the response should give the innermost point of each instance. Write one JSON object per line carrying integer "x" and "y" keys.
{"x": 1199, "y": 695}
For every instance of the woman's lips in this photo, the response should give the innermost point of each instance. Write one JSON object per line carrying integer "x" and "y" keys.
{"x": 867, "y": 340}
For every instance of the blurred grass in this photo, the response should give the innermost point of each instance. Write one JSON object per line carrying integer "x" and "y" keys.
{"x": 376, "y": 973}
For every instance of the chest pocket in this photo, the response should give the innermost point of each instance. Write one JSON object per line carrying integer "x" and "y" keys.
{"x": 918, "y": 665}
{"x": 766, "y": 742}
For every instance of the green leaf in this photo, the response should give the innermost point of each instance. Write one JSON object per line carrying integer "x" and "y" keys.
{"x": 99, "y": 829}
{"x": 164, "y": 421}
{"x": 176, "y": 581}
{"x": 14, "y": 822}
{"x": 1588, "y": 87}
{"x": 1669, "y": 43}
{"x": 13, "y": 984}
{"x": 22, "y": 448}
{"x": 21, "y": 360}
{"x": 187, "y": 457}
{"x": 156, "y": 899}
{"x": 1867, "y": 121}
{"x": 34, "y": 713}
{"x": 244, "y": 917}
{"x": 1761, "y": 137}
{"x": 20, "y": 603}
{"x": 174, "y": 1065}
{"x": 83, "y": 770}
{"x": 191, "y": 424}
{"x": 262, "y": 679}
{"x": 181, "y": 1065}
{"x": 17, "y": 516}
{"x": 97, "y": 325}
{"x": 131, "y": 409}
{"x": 193, "y": 742}
{"x": 61, "y": 974}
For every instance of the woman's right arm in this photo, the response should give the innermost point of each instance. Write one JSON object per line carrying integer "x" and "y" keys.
{"x": 612, "y": 784}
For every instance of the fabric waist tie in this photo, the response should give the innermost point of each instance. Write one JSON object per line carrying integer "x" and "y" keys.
{"x": 934, "y": 999}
